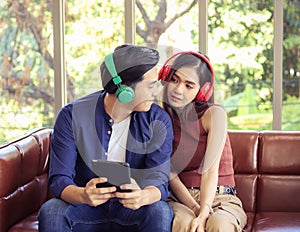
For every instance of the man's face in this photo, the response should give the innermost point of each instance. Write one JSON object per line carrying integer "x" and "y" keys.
{"x": 145, "y": 91}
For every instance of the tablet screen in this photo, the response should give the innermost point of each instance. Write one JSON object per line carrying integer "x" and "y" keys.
{"x": 117, "y": 173}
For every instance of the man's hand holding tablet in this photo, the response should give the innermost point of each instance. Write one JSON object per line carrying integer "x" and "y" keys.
{"x": 117, "y": 173}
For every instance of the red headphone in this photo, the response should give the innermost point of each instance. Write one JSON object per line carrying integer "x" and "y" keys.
{"x": 206, "y": 90}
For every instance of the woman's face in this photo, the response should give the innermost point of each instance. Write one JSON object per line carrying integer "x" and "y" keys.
{"x": 183, "y": 87}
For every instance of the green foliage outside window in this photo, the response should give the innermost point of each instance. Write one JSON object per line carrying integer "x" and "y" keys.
{"x": 240, "y": 47}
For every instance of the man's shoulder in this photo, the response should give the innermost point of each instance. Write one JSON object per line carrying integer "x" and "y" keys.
{"x": 81, "y": 102}
{"x": 87, "y": 98}
{"x": 155, "y": 112}
{"x": 85, "y": 101}
{"x": 158, "y": 110}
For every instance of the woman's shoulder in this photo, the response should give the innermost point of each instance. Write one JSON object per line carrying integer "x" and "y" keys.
{"x": 216, "y": 115}
{"x": 205, "y": 109}
{"x": 215, "y": 108}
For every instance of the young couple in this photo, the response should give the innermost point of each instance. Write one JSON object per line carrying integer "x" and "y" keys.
{"x": 183, "y": 148}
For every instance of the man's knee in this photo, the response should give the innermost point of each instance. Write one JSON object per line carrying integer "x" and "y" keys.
{"x": 53, "y": 206}
{"x": 155, "y": 217}
{"x": 52, "y": 210}
{"x": 51, "y": 217}
{"x": 160, "y": 209}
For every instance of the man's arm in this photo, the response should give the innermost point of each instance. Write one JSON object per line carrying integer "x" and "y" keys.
{"x": 63, "y": 153}
{"x": 158, "y": 165}
{"x": 154, "y": 176}
{"x": 89, "y": 194}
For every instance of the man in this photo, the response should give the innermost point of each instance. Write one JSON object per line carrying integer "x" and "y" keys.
{"x": 120, "y": 123}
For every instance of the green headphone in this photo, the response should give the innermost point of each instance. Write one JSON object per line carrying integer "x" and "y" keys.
{"x": 124, "y": 93}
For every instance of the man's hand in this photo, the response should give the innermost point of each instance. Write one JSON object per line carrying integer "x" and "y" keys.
{"x": 138, "y": 197}
{"x": 132, "y": 199}
{"x": 94, "y": 196}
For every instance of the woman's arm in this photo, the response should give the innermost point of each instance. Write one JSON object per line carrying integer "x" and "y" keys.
{"x": 214, "y": 122}
{"x": 182, "y": 194}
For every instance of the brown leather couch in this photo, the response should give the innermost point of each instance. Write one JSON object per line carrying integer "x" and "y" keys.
{"x": 267, "y": 173}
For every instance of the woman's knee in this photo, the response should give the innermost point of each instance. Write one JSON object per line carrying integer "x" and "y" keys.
{"x": 219, "y": 222}
{"x": 183, "y": 217}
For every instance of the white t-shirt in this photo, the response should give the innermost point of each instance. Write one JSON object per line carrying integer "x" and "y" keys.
{"x": 117, "y": 143}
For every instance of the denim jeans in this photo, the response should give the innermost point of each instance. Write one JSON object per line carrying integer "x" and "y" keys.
{"x": 56, "y": 215}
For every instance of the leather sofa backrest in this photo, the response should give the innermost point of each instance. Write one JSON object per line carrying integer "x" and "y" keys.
{"x": 279, "y": 168}
{"x": 20, "y": 185}
{"x": 266, "y": 164}
{"x": 245, "y": 154}
{"x": 267, "y": 170}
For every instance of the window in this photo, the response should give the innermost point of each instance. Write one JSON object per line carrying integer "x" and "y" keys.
{"x": 291, "y": 66}
{"x": 240, "y": 44}
{"x": 26, "y": 73}
{"x": 93, "y": 29}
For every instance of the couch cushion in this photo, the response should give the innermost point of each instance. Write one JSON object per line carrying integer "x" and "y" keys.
{"x": 280, "y": 152}
{"x": 250, "y": 221}
{"x": 278, "y": 193}
{"x": 277, "y": 222}
{"x": 244, "y": 148}
{"x": 29, "y": 224}
{"x": 245, "y": 151}
{"x": 246, "y": 186}
{"x": 279, "y": 168}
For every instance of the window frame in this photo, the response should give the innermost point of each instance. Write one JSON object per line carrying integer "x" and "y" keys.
{"x": 60, "y": 87}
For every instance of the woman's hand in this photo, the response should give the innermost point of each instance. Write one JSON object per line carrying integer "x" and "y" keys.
{"x": 198, "y": 224}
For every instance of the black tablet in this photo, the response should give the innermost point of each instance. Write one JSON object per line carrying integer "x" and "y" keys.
{"x": 117, "y": 173}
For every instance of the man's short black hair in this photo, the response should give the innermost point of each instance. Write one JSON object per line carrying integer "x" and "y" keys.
{"x": 131, "y": 63}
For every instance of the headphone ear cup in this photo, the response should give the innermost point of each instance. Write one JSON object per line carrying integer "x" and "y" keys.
{"x": 125, "y": 94}
{"x": 164, "y": 72}
{"x": 205, "y": 92}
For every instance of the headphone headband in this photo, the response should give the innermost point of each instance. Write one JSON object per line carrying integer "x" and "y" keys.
{"x": 124, "y": 93}
{"x": 109, "y": 62}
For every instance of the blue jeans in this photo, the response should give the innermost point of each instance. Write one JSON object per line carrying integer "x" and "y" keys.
{"x": 58, "y": 216}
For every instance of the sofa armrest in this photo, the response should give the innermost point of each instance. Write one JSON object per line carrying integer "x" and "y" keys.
{"x": 23, "y": 176}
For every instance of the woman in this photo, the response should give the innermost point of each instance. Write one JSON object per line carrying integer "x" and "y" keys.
{"x": 202, "y": 183}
